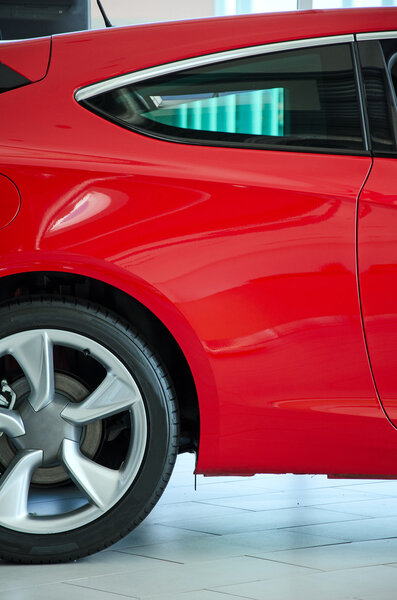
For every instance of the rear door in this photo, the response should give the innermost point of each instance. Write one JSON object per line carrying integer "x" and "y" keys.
{"x": 377, "y": 216}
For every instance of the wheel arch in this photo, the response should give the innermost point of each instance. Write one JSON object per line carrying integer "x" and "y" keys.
{"x": 88, "y": 288}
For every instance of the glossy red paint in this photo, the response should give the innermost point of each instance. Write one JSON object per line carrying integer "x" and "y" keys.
{"x": 137, "y": 46}
{"x": 246, "y": 256}
{"x": 377, "y": 260}
{"x": 10, "y": 201}
{"x": 29, "y": 58}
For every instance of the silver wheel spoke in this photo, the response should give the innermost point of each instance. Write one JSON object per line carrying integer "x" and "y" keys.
{"x": 112, "y": 396}
{"x": 100, "y": 484}
{"x": 58, "y": 429}
{"x": 14, "y": 487}
{"x": 33, "y": 351}
{"x": 11, "y": 423}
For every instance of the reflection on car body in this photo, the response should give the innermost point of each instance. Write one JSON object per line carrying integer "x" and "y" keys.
{"x": 197, "y": 254}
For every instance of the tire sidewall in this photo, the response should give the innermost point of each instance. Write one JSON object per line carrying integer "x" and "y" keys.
{"x": 106, "y": 329}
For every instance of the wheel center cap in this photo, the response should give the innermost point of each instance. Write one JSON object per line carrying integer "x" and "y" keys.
{"x": 46, "y": 429}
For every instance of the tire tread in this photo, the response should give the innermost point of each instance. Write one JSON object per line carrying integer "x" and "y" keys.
{"x": 128, "y": 329}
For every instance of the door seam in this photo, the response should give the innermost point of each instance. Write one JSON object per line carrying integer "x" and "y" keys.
{"x": 359, "y": 298}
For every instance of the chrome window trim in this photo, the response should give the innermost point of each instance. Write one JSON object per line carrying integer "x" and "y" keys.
{"x": 115, "y": 82}
{"x": 376, "y": 35}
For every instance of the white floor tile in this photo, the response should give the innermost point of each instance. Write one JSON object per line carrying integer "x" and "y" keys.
{"x": 197, "y": 595}
{"x": 340, "y": 556}
{"x": 276, "y": 537}
{"x": 164, "y": 513}
{"x": 147, "y": 534}
{"x": 357, "y": 530}
{"x": 353, "y": 584}
{"x": 383, "y": 487}
{"x": 194, "y": 550}
{"x": 375, "y": 507}
{"x": 260, "y": 521}
{"x": 172, "y": 578}
{"x": 13, "y": 577}
{"x": 345, "y": 500}
{"x": 57, "y": 591}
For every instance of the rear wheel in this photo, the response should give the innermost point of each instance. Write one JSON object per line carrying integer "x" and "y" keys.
{"x": 88, "y": 426}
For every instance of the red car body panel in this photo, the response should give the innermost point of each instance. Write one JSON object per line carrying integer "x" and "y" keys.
{"x": 29, "y": 58}
{"x": 248, "y": 257}
{"x": 108, "y": 53}
{"x": 377, "y": 260}
{"x": 10, "y": 201}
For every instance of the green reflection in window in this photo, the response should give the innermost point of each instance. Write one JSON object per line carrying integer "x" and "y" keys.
{"x": 257, "y": 112}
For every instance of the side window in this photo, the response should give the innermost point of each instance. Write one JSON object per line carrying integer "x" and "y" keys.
{"x": 379, "y": 74}
{"x": 297, "y": 98}
{"x": 393, "y": 71}
{"x": 389, "y": 48}
{"x": 10, "y": 79}
{"x": 250, "y": 112}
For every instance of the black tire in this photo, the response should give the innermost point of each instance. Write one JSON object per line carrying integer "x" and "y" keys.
{"x": 90, "y": 344}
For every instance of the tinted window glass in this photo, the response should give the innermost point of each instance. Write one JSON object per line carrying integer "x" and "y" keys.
{"x": 10, "y": 79}
{"x": 380, "y": 105}
{"x": 253, "y": 112}
{"x": 389, "y": 49}
{"x": 296, "y": 98}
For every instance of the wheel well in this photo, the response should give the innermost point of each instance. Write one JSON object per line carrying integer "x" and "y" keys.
{"x": 85, "y": 288}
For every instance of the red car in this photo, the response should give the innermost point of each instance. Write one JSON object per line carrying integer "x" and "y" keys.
{"x": 198, "y": 253}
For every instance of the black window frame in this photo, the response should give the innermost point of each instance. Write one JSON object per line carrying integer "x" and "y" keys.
{"x": 370, "y": 56}
{"x": 361, "y": 105}
{"x": 11, "y": 79}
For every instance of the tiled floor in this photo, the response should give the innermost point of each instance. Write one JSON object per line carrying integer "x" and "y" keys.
{"x": 276, "y": 537}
